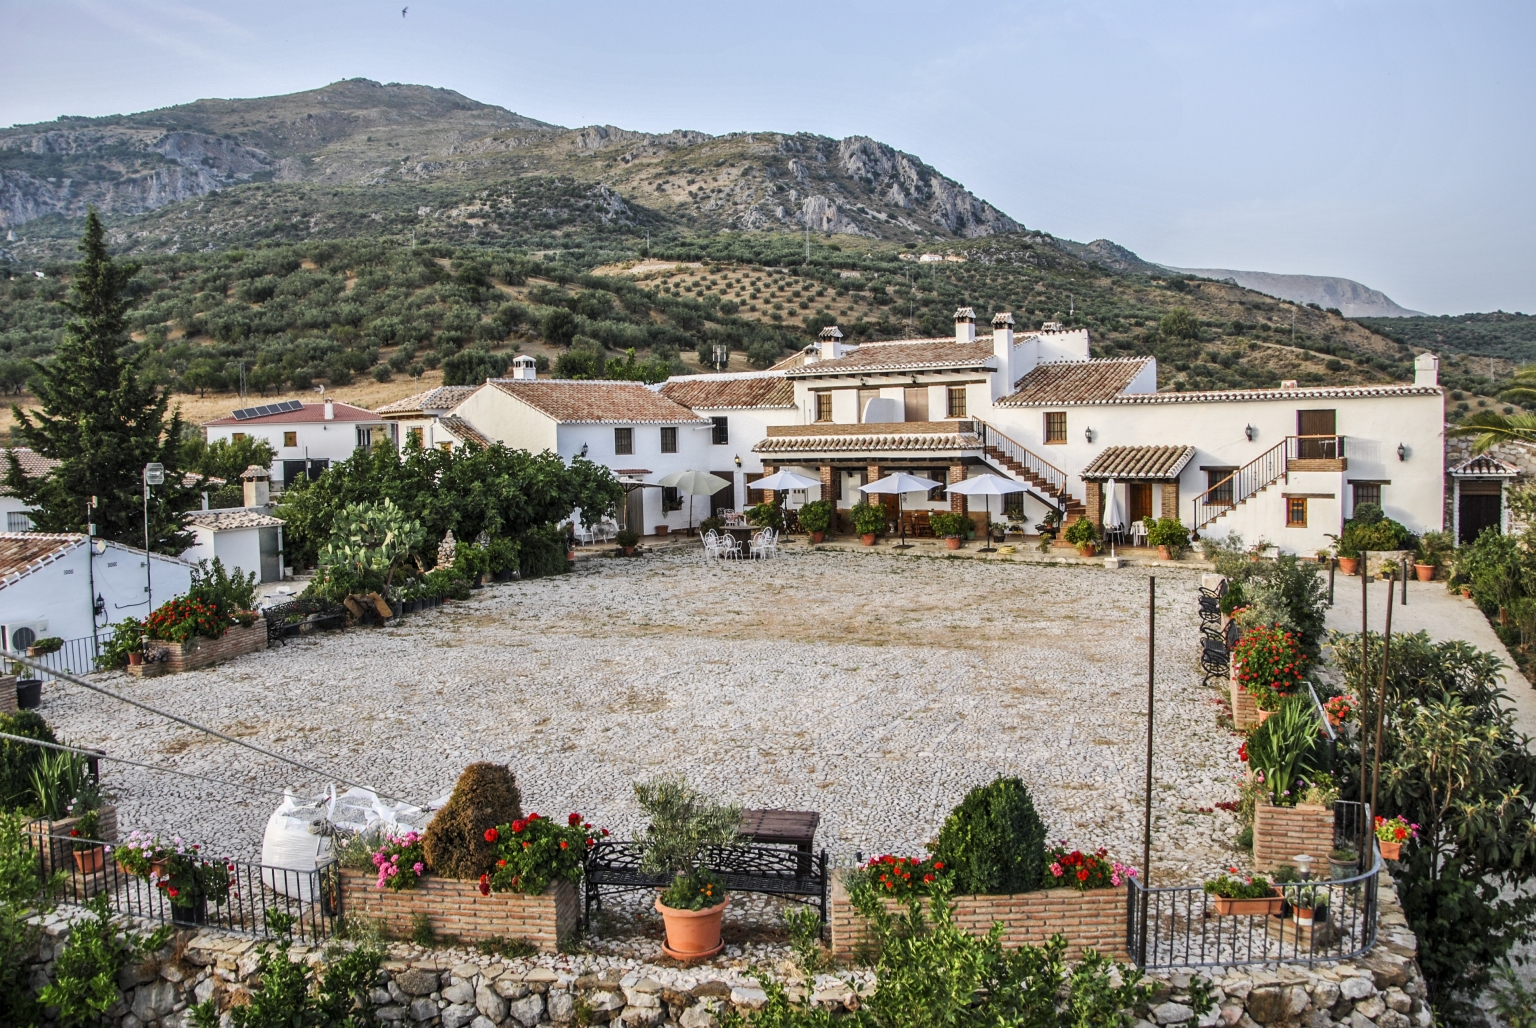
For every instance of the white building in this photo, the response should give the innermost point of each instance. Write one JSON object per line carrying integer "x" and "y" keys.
{"x": 427, "y": 420}
{"x": 33, "y": 465}
{"x": 740, "y": 406}
{"x": 59, "y": 585}
{"x": 307, "y": 437}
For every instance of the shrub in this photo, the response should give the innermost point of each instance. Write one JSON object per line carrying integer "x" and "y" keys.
{"x": 627, "y": 538}
{"x": 1435, "y": 548}
{"x": 1284, "y": 749}
{"x": 1270, "y": 664}
{"x": 17, "y": 759}
{"x": 765, "y": 515}
{"x": 543, "y": 553}
{"x": 534, "y": 851}
{"x": 1081, "y": 532}
{"x": 485, "y": 796}
{"x": 994, "y": 841}
{"x": 180, "y": 619}
{"x": 951, "y": 524}
{"x": 472, "y": 367}
{"x": 84, "y": 985}
{"x": 1169, "y": 532}
{"x": 868, "y": 518}
{"x": 816, "y": 516}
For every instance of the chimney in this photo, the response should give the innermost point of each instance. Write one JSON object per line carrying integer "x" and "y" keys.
{"x": 257, "y": 483}
{"x": 831, "y": 343}
{"x": 1426, "y": 369}
{"x": 524, "y": 368}
{"x": 330, "y": 410}
{"x": 965, "y": 325}
{"x": 1002, "y": 349}
{"x": 1289, "y": 383}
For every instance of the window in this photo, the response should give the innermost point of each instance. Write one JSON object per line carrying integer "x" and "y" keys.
{"x": 236, "y": 436}
{"x": 823, "y": 405}
{"x": 290, "y": 438}
{"x": 17, "y": 521}
{"x": 1366, "y": 492}
{"x": 623, "y": 440}
{"x": 1056, "y": 426}
{"x": 413, "y": 437}
{"x": 1295, "y": 512}
{"x": 671, "y": 499}
{"x": 957, "y": 401}
{"x": 1218, "y": 483}
{"x": 721, "y": 435}
{"x": 445, "y": 447}
{"x": 669, "y": 439}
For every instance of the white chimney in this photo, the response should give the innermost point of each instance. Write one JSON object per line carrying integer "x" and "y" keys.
{"x": 1289, "y": 383}
{"x": 524, "y": 368}
{"x": 831, "y": 343}
{"x": 1002, "y": 349}
{"x": 257, "y": 486}
{"x": 965, "y": 325}
{"x": 1426, "y": 369}
{"x": 330, "y": 410}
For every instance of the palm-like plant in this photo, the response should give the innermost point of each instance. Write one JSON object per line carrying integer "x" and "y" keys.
{"x": 1521, "y": 388}
{"x": 1492, "y": 428}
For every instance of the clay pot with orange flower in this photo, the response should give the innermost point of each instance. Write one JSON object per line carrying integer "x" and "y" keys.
{"x": 685, "y": 825}
{"x": 1391, "y": 834}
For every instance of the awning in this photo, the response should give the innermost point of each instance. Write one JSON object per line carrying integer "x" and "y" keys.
{"x": 1138, "y": 463}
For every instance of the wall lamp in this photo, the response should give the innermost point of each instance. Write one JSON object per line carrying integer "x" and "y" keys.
{"x": 738, "y": 460}
{"x": 1088, "y": 434}
{"x": 1249, "y": 432}
{"x": 583, "y": 449}
{"x": 1402, "y": 452}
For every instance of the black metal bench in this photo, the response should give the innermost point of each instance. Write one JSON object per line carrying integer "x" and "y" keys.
{"x": 1216, "y": 650}
{"x": 614, "y": 866}
{"x": 315, "y": 614}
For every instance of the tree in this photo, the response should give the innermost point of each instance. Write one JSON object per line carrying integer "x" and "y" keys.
{"x": 202, "y": 375}
{"x": 559, "y": 327}
{"x": 471, "y": 367}
{"x": 1492, "y": 428}
{"x": 1179, "y": 324}
{"x": 100, "y": 419}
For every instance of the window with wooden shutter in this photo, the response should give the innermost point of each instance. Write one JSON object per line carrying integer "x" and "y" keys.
{"x": 1056, "y": 426}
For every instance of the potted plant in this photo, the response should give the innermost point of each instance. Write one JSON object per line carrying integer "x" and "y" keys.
{"x": 44, "y": 646}
{"x": 713, "y": 523}
{"x": 1339, "y": 710}
{"x": 1304, "y": 903}
{"x": 90, "y": 856}
{"x": 29, "y": 691}
{"x": 1169, "y": 536}
{"x": 1391, "y": 833}
{"x": 868, "y": 520}
{"x": 952, "y": 527}
{"x": 1270, "y": 664}
{"x": 189, "y": 881}
{"x": 684, "y": 826}
{"x": 1349, "y": 553}
{"x": 1243, "y": 896}
{"x": 628, "y": 539}
{"x": 141, "y": 855}
{"x": 1083, "y": 534}
{"x": 1343, "y": 863}
{"x": 816, "y": 518}
{"x": 1433, "y": 550}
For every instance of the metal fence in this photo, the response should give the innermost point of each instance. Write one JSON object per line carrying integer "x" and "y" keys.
{"x": 311, "y": 898}
{"x": 1184, "y": 926}
{"x": 75, "y": 657}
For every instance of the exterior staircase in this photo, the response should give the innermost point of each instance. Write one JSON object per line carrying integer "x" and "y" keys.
{"x": 1294, "y": 453}
{"x": 1045, "y": 478}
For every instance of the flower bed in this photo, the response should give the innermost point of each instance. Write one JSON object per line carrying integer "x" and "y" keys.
{"x": 200, "y": 652}
{"x": 1268, "y": 662}
{"x": 456, "y": 907}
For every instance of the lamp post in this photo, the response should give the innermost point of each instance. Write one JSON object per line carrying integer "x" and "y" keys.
{"x": 154, "y": 474}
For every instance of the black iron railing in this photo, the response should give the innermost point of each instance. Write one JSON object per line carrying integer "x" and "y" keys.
{"x": 312, "y": 899}
{"x": 75, "y": 657}
{"x": 1046, "y": 472}
{"x": 614, "y": 866}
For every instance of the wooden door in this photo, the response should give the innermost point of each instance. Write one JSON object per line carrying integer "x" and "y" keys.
{"x": 1316, "y": 423}
{"x": 1479, "y": 506}
{"x": 725, "y": 499}
{"x": 634, "y": 511}
{"x": 915, "y": 400}
{"x": 1139, "y": 495}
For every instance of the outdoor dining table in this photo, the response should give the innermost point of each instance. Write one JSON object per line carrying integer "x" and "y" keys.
{"x": 742, "y": 535}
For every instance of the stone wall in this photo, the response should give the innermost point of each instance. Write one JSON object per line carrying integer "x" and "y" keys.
{"x": 198, "y": 652}
{"x": 1280, "y": 833}
{"x": 1089, "y": 920}
{"x": 456, "y": 908}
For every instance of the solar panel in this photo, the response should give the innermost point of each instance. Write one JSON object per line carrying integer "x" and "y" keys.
{"x": 270, "y": 408}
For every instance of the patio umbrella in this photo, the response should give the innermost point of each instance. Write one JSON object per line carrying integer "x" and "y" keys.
{"x": 1112, "y": 515}
{"x": 899, "y": 483}
{"x": 987, "y": 485}
{"x": 782, "y": 481}
{"x": 694, "y": 483}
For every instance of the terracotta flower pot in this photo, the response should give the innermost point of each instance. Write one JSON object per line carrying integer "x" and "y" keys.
{"x": 952, "y": 541}
{"x": 1264, "y": 715}
{"x": 1466, "y": 592}
{"x": 1390, "y": 850}
{"x": 1303, "y": 916}
{"x": 1348, "y": 565}
{"x": 868, "y": 538}
{"x": 1086, "y": 550}
{"x": 1265, "y": 905}
{"x": 817, "y": 537}
{"x": 1425, "y": 572}
{"x": 629, "y": 551}
{"x": 663, "y": 529}
{"x": 692, "y": 934}
{"x": 90, "y": 861}
{"x": 135, "y": 659}
{"x": 570, "y": 554}
{"x": 1163, "y": 554}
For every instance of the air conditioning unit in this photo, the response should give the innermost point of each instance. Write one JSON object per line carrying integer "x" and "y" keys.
{"x": 18, "y": 635}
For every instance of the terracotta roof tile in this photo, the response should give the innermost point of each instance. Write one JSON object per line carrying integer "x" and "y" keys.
{"x": 1138, "y": 462}
{"x": 223, "y": 520}
{"x": 721, "y": 393}
{"x": 597, "y": 402}
{"x": 905, "y": 437}
{"x": 310, "y": 413}
{"x": 33, "y": 465}
{"x": 923, "y": 353}
{"x": 1091, "y": 381}
{"x": 441, "y": 398}
{"x": 1487, "y": 465}
{"x": 24, "y": 552}
{"x": 463, "y": 430}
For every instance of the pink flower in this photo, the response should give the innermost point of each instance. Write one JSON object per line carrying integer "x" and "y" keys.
{"x": 418, "y": 867}
{"x": 1056, "y": 870}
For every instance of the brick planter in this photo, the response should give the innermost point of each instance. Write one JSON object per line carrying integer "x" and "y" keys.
{"x": 198, "y": 652}
{"x": 57, "y": 851}
{"x": 1280, "y": 833}
{"x": 455, "y": 908}
{"x": 1089, "y": 920}
{"x": 1245, "y": 709}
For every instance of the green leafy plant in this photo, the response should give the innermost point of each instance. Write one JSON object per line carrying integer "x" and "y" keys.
{"x": 1435, "y": 548}
{"x": 816, "y": 516}
{"x": 292, "y": 992}
{"x": 61, "y": 785}
{"x": 899, "y": 877}
{"x": 804, "y": 927}
{"x": 868, "y": 518}
{"x": 1231, "y": 885}
{"x": 765, "y": 515}
{"x": 627, "y": 538}
{"x": 84, "y": 985}
{"x": 422, "y": 932}
{"x": 47, "y": 644}
{"x": 21, "y": 890}
{"x": 1285, "y": 748}
{"x": 993, "y": 841}
{"x": 951, "y": 525}
{"x": 684, "y": 825}
{"x": 713, "y": 523}
{"x": 1082, "y": 532}
{"x": 127, "y": 637}
{"x": 1269, "y": 664}
{"x": 533, "y": 851}
{"x": 369, "y": 543}
{"x": 1169, "y": 532}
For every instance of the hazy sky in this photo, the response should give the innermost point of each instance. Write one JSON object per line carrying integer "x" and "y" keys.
{"x": 1391, "y": 143}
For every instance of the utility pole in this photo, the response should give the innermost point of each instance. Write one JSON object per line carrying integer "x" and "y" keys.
{"x": 1146, "y": 827}
{"x": 154, "y": 474}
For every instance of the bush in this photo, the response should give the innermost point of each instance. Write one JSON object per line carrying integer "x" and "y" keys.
{"x": 1270, "y": 664}
{"x": 543, "y": 553}
{"x": 485, "y": 796}
{"x": 765, "y": 515}
{"x": 84, "y": 985}
{"x": 627, "y": 538}
{"x": 1082, "y": 532}
{"x": 1169, "y": 532}
{"x": 535, "y": 851}
{"x": 17, "y": 759}
{"x": 816, "y": 516}
{"x": 472, "y": 367}
{"x": 1179, "y": 324}
{"x": 868, "y": 518}
{"x": 951, "y": 524}
{"x": 994, "y": 842}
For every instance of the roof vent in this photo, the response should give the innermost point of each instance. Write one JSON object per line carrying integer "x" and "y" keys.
{"x": 1289, "y": 383}
{"x": 524, "y": 368}
{"x": 965, "y": 325}
{"x": 1001, "y": 319}
{"x": 831, "y": 343}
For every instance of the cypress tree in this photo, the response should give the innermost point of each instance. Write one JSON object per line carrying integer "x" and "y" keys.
{"x": 99, "y": 420}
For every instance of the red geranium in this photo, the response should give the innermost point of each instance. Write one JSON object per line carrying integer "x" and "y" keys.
{"x": 491, "y": 835}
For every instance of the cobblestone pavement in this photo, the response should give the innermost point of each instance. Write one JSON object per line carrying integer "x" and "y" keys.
{"x": 876, "y": 689}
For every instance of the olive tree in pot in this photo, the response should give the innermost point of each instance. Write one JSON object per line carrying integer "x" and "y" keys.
{"x": 816, "y": 518}
{"x": 868, "y": 520}
{"x": 684, "y": 825}
{"x": 952, "y": 527}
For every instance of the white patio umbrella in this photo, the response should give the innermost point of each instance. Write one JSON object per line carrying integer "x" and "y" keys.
{"x": 782, "y": 481}
{"x": 1112, "y": 515}
{"x": 899, "y": 483}
{"x": 987, "y": 485}
{"x": 694, "y": 483}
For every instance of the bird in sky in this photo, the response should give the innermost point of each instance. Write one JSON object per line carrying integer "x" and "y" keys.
{"x": 403, "y": 10}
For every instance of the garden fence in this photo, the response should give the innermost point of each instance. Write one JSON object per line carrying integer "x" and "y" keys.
{"x": 75, "y": 657}
{"x": 311, "y": 898}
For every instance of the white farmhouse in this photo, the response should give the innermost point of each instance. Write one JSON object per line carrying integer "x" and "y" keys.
{"x": 427, "y": 420}
{"x": 68, "y": 586}
{"x": 307, "y": 437}
{"x": 740, "y": 406}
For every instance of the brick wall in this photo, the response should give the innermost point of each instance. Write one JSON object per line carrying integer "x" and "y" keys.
{"x": 1089, "y": 920}
{"x": 198, "y": 652}
{"x": 455, "y": 907}
{"x": 1170, "y": 498}
{"x": 1280, "y": 833}
{"x": 56, "y": 850}
{"x": 7, "y": 694}
{"x": 1245, "y": 709}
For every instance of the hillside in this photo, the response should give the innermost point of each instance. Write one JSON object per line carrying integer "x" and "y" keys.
{"x": 1345, "y": 295}
{"x": 1508, "y": 336}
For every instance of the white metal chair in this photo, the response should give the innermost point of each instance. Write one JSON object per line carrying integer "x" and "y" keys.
{"x": 585, "y": 534}
{"x": 765, "y": 544}
{"x": 730, "y": 547}
{"x": 711, "y": 545}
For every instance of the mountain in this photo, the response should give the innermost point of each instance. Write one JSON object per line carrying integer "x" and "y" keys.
{"x": 1346, "y": 295}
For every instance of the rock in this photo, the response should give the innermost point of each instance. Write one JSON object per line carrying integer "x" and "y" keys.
{"x": 1393, "y": 1019}
{"x": 527, "y": 1010}
{"x": 714, "y": 988}
{"x": 389, "y": 1013}
{"x": 562, "y": 1007}
{"x": 1231, "y": 1014}
{"x": 459, "y": 992}
{"x": 1238, "y": 990}
{"x": 648, "y": 1000}
{"x": 507, "y": 988}
{"x": 172, "y": 971}
{"x": 1371, "y": 1007}
{"x": 457, "y": 1015}
{"x": 396, "y": 993}
{"x": 417, "y": 982}
{"x": 1172, "y": 1013}
{"x": 1399, "y": 1000}
{"x": 697, "y": 1016}
{"x": 208, "y": 986}
{"x": 424, "y": 1008}
{"x": 1359, "y": 1020}
{"x": 1297, "y": 1000}
{"x": 1268, "y": 1003}
{"x": 1325, "y": 994}
{"x": 832, "y": 997}
{"x": 605, "y": 1001}
{"x": 135, "y": 973}
{"x": 748, "y": 996}
{"x": 482, "y": 1022}
{"x": 1354, "y": 989}
{"x": 490, "y": 1004}
{"x": 647, "y": 985}
{"x": 1387, "y": 969}
{"x": 641, "y": 1017}
{"x": 129, "y": 1021}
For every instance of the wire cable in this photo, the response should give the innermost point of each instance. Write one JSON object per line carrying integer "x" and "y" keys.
{"x": 99, "y": 755}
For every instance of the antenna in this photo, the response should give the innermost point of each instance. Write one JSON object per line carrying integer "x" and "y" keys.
{"x": 807, "y": 239}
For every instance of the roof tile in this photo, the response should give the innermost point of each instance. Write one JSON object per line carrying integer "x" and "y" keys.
{"x": 1088, "y": 381}
{"x": 723, "y": 393}
{"x": 597, "y": 402}
{"x": 441, "y": 398}
{"x": 924, "y": 353}
{"x": 1138, "y": 462}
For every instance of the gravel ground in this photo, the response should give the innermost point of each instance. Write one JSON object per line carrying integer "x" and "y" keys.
{"x": 876, "y": 689}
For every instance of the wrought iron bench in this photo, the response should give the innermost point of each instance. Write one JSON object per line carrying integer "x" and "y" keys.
{"x": 319, "y": 615}
{"x": 1216, "y": 650}
{"x": 614, "y": 866}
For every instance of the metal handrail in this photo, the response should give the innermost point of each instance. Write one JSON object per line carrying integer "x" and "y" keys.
{"x": 1031, "y": 461}
{"x": 1262, "y": 471}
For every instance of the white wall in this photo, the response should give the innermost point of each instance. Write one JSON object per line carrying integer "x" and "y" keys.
{"x": 503, "y": 419}
{"x": 327, "y": 440}
{"x": 239, "y": 549}
{"x": 60, "y": 592}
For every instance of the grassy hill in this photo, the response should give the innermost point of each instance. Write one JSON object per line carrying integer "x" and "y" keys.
{"x": 367, "y": 234}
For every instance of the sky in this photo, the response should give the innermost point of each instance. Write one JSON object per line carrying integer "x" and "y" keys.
{"x": 1387, "y": 142}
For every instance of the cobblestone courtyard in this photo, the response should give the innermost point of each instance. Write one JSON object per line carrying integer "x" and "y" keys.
{"x": 874, "y": 689}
